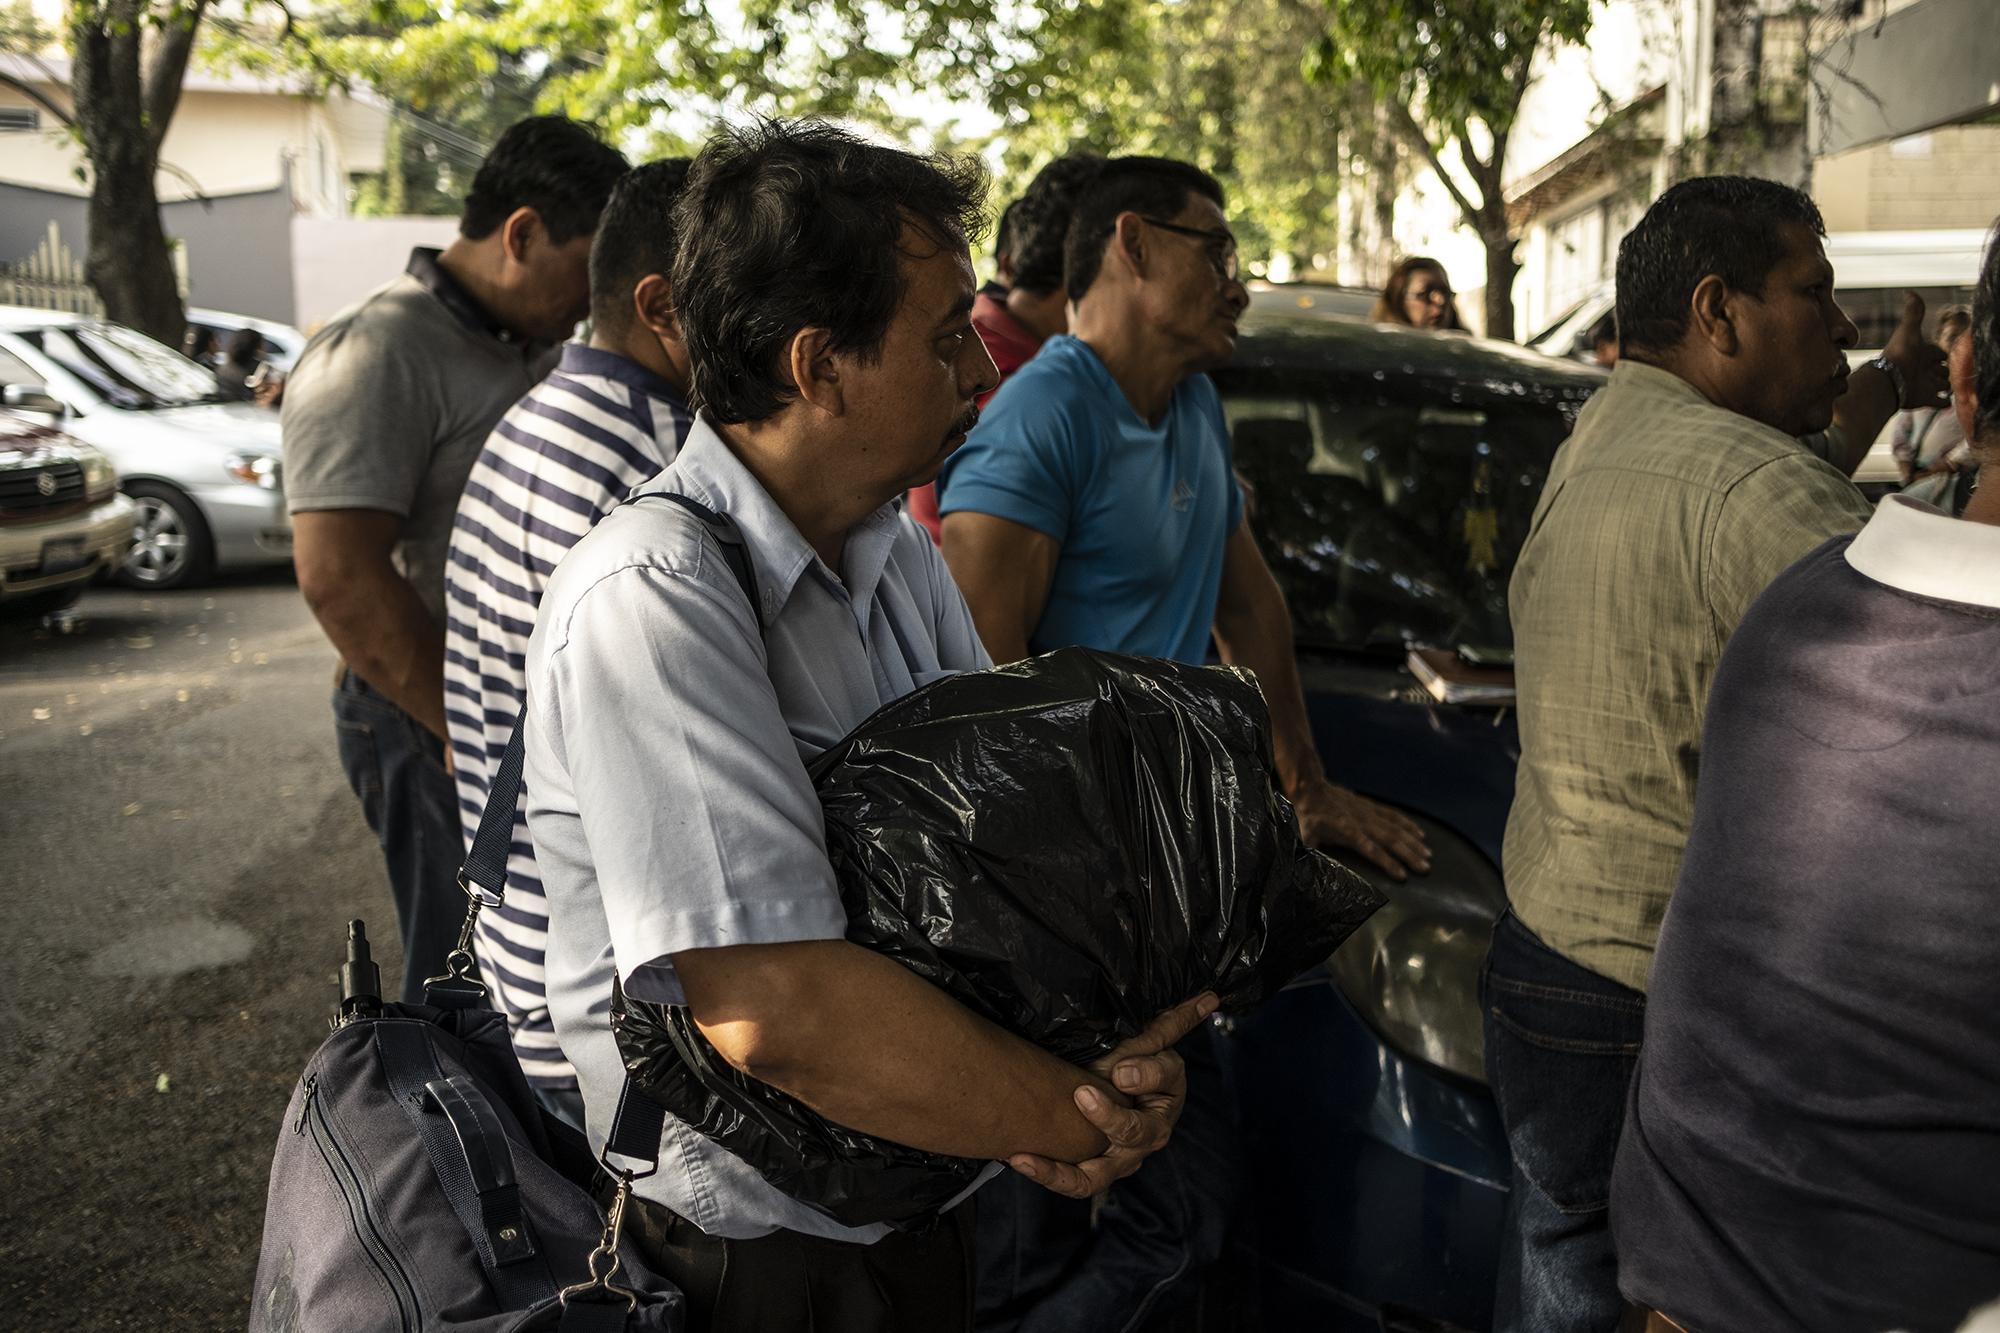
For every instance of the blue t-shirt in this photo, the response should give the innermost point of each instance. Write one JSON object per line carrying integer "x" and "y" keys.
{"x": 1142, "y": 511}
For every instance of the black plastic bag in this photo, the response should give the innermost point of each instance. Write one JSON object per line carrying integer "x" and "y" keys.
{"x": 1067, "y": 846}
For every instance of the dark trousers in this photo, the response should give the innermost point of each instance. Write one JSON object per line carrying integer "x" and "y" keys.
{"x": 396, "y": 767}
{"x": 1045, "y": 1268}
{"x": 903, "y": 1283}
{"x": 1561, "y": 1046}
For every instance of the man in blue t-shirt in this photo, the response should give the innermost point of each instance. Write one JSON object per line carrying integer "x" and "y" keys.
{"x": 1095, "y": 504}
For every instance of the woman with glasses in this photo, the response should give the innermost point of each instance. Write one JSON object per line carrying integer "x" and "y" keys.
{"x": 1418, "y": 294}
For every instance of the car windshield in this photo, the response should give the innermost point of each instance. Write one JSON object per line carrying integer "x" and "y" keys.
{"x": 1391, "y": 513}
{"x": 129, "y": 369}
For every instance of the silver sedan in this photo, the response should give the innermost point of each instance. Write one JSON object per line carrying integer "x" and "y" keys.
{"x": 203, "y": 473}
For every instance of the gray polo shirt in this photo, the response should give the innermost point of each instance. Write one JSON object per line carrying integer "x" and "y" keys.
{"x": 668, "y": 733}
{"x": 391, "y": 403}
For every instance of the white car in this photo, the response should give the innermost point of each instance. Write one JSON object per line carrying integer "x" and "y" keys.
{"x": 282, "y": 342}
{"x": 203, "y": 473}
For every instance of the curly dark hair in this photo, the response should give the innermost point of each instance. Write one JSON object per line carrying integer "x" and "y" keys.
{"x": 788, "y": 225}
{"x": 1729, "y": 226}
{"x": 635, "y": 238}
{"x": 1038, "y": 222}
{"x": 1157, "y": 186}
{"x": 551, "y": 164}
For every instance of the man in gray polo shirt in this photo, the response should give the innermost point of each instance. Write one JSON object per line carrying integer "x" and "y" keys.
{"x": 383, "y": 418}
{"x": 669, "y": 721}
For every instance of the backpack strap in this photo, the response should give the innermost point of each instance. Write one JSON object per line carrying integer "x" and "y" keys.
{"x": 727, "y": 535}
{"x": 486, "y": 867}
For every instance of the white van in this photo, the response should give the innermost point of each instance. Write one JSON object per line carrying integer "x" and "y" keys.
{"x": 1871, "y": 271}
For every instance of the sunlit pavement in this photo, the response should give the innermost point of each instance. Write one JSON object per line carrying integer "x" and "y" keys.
{"x": 178, "y": 855}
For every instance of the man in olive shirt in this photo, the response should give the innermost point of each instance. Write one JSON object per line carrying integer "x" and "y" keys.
{"x": 389, "y": 406}
{"x": 1682, "y": 493}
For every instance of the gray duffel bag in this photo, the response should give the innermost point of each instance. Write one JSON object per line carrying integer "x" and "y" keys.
{"x": 417, "y": 1185}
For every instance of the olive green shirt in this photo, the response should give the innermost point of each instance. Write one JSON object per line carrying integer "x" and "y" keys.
{"x": 1663, "y": 519}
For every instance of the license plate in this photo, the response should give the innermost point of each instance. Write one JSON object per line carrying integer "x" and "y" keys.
{"x": 59, "y": 557}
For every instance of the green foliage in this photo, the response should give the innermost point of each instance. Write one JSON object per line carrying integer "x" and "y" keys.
{"x": 1217, "y": 82}
{"x": 1453, "y": 62}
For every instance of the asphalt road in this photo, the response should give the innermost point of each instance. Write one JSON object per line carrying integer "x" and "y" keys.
{"x": 178, "y": 856}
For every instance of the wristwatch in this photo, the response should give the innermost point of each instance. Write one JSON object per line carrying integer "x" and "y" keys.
{"x": 1895, "y": 374}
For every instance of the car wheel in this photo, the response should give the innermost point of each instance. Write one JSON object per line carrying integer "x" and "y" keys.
{"x": 171, "y": 546}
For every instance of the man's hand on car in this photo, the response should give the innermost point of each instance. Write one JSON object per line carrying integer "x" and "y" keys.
{"x": 1333, "y": 816}
{"x": 1152, "y": 1083}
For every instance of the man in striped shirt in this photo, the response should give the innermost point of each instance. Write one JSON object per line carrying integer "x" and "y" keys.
{"x": 610, "y": 416}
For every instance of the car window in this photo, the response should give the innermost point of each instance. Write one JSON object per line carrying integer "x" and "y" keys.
{"x": 1389, "y": 513}
{"x": 266, "y": 349}
{"x": 129, "y": 369}
{"x": 16, "y": 372}
{"x": 1876, "y": 310}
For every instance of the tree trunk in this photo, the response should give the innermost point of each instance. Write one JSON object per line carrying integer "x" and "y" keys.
{"x": 1501, "y": 266}
{"x": 129, "y": 262}
{"x": 1382, "y": 175}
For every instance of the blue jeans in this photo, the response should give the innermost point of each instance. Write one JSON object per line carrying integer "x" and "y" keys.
{"x": 1561, "y": 1045}
{"x": 1043, "y": 1267}
{"x": 396, "y": 767}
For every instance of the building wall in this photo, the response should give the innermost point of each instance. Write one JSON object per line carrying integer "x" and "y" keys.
{"x": 1945, "y": 178}
{"x": 1567, "y": 255}
{"x": 238, "y": 248}
{"x": 222, "y": 142}
{"x": 337, "y": 261}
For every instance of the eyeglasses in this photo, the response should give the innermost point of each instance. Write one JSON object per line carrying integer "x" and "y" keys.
{"x": 1220, "y": 247}
{"x": 1433, "y": 295}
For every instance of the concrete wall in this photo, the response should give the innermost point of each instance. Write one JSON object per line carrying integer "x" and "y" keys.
{"x": 337, "y": 261}
{"x": 239, "y": 252}
{"x": 239, "y": 248}
{"x": 25, "y": 215}
{"x": 1946, "y": 178}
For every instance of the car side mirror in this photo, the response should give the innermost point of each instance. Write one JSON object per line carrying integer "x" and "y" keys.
{"x": 25, "y": 399}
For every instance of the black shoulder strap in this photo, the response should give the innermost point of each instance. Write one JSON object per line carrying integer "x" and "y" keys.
{"x": 486, "y": 867}
{"x": 727, "y": 535}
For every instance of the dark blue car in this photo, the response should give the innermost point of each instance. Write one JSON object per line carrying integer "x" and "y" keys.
{"x": 1392, "y": 476}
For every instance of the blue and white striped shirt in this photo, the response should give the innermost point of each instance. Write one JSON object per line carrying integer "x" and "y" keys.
{"x": 561, "y": 458}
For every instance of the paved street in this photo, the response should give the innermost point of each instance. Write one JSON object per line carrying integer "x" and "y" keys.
{"x": 179, "y": 853}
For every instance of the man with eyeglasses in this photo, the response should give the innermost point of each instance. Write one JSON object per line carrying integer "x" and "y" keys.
{"x": 1095, "y": 504}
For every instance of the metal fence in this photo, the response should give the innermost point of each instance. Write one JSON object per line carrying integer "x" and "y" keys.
{"x": 51, "y": 278}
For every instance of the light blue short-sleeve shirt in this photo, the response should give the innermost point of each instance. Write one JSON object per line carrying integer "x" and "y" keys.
{"x": 669, "y": 727}
{"x": 1143, "y": 510}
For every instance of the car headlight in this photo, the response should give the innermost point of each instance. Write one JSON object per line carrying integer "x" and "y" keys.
{"x": 255, "y": 470}
{"x": 1412, "y": 970}
{"x": 100, "y": 479}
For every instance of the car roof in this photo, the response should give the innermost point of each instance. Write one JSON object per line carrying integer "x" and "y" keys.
{"x": 223, "y": 319}
{"x": 29, "y": 317}
{"x": 1277, "y": 340}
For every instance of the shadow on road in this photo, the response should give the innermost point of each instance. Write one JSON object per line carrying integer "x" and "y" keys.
{"x": 110, "y": 614}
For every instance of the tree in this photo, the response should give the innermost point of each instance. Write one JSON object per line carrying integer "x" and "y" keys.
{"x": 128, "y": 58}
{"x": 1451, "y": 75}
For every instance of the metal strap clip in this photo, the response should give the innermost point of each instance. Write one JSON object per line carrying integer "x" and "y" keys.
{"x": 604, "y": 1262}
{"x": 461, "y": 969}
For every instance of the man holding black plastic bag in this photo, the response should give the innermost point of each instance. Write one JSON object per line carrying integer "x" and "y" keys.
{"x": 1096, "y": 505}
{"x": 826, "y": 293}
